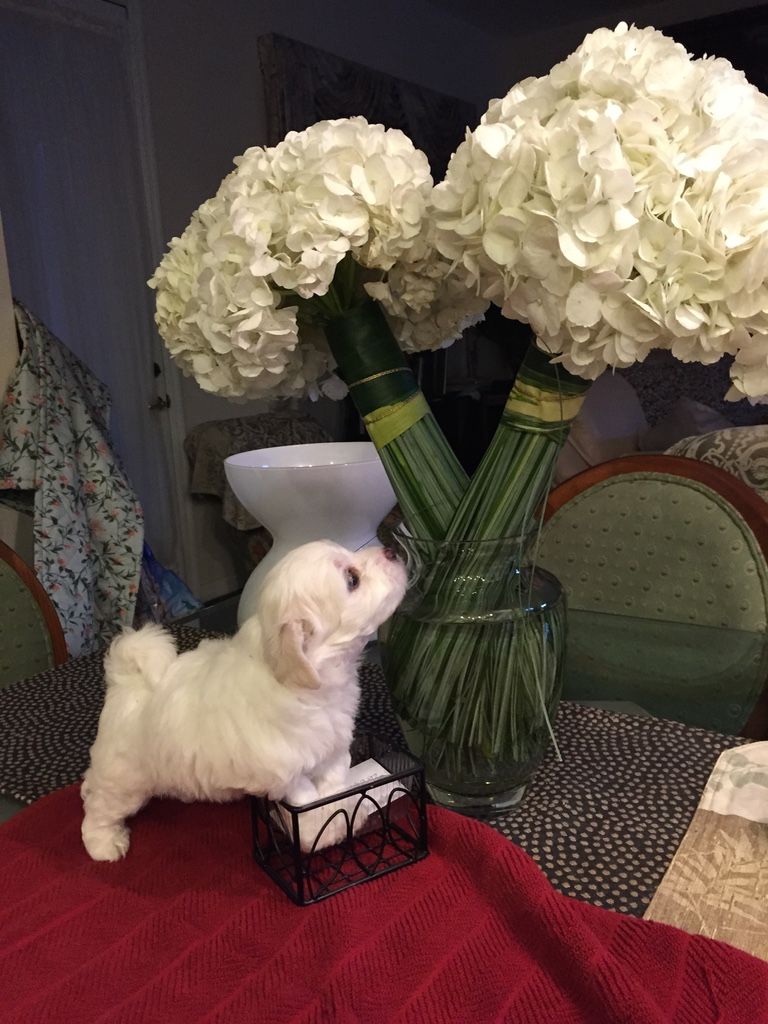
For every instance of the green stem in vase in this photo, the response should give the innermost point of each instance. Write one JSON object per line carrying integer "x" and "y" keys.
{"x": 475, "y": 691}
{"x": 474, "y": 696}
{"x": 426, "y": 476}
{"x": 515, "y": 474}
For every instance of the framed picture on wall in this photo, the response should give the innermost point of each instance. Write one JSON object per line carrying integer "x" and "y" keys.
{"x": 303, "y": 85}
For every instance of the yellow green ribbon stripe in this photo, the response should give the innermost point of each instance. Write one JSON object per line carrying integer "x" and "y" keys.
{"x": 386, "y": 424}
{"x": 545, "y": 398}
{"x": 509, "y": 484}
{"x": 426, "y": 476}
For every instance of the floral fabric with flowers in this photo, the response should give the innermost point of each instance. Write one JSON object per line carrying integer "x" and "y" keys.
{"x": 88, "y": 524}
{"x": 241, "y": 292}
{"x": 620, "y": 204}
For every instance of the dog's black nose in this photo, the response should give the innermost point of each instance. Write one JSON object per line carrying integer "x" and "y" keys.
{"x": 391, "y": 554}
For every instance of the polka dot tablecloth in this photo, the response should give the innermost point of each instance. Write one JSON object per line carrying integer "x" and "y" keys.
{"x": 603, "y": 823}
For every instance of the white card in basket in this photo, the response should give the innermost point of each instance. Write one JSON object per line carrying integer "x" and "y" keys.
{"x": 313, "y": 822}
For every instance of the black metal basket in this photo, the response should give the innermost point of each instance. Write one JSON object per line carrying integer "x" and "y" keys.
{"x": 375, "y": 837}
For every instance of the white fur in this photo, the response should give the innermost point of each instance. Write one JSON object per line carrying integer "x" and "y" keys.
{"x": 268, "y": 711}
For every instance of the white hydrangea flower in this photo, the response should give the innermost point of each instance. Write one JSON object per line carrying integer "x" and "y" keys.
{"x": 277, "y": 228}
{"x": 426, "y": 304}
{"x": 620, "y": 204}
{"x": 221, "y": 322}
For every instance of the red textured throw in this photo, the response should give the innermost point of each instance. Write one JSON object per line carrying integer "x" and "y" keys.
{"x": 188, "y": 929}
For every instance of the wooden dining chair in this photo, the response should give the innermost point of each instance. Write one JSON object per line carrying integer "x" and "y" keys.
{"x": 664, "y": 561}
{"x": 31, "y": 637}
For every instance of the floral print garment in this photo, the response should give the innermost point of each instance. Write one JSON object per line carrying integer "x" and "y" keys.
{"x": 88, "y": 523}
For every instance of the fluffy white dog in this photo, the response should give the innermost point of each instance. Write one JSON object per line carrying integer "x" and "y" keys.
{"x": 268, "y": 711}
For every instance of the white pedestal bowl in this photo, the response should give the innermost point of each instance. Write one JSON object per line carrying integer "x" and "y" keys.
{"x": 304, "y": 492}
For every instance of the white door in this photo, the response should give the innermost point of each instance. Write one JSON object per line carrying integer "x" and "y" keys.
{"x": 76, "y": 204}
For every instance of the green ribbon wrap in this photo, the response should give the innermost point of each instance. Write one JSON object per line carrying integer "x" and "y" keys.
{"x": 372, "y": 365}
{"x": 545, "y": 398}
{"x": 516, "y": 470}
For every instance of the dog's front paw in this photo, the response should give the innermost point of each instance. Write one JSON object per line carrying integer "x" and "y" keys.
{"x": 107, "y": 843}
{"x": 333, "y": 782}
{"x": 302, "y": 791}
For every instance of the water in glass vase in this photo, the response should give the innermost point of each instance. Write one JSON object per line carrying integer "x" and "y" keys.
{"x": 473, "y": 659}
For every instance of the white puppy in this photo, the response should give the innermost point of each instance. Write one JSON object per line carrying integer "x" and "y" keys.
{"x": 269, "y": 711}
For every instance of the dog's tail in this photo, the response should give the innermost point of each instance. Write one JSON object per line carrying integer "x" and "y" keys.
{"x": 139, "y": 658}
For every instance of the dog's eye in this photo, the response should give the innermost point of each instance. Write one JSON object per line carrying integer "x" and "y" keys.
{"x": 352, "y": 577}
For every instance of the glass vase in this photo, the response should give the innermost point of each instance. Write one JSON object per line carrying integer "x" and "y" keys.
{"x": 473, "y": 658}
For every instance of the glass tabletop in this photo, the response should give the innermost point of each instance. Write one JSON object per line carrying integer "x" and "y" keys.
{"x": 709, "y": 676}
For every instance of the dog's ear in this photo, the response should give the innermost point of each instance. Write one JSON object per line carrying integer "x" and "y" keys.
{"x": 291, "y": 665}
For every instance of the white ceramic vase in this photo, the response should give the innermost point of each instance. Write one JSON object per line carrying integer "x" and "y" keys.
{"x": 303, "y": 492}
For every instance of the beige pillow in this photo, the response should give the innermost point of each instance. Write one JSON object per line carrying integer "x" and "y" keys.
{"x": 607, "y": 427}
{"x": 686, "y": 418}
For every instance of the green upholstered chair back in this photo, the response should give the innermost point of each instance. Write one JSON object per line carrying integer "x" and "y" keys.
{"x": 673, "y": 551}
{"x": 657, "y": 546}
{"x": 31, "y": 637}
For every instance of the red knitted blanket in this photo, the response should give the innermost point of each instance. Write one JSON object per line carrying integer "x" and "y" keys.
{"x": 187, "y": 929}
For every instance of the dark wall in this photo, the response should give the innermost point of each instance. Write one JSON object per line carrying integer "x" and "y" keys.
{"x": 741, "y": 37}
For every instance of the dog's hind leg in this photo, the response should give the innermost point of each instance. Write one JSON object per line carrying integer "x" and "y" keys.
{"x": 105, "y": 834}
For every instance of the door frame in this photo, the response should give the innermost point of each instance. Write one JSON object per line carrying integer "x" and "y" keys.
{"x": 173, "y": 427}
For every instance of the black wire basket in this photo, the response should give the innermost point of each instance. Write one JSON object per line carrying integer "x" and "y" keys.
{"x": 378, "y": 827}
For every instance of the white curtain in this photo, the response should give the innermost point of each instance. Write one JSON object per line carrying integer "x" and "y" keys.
{"x": 74, "y": 210}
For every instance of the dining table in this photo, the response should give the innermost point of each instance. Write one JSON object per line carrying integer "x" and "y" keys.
{"x": 509, "y": 920}
{"x": 602, "y": 816}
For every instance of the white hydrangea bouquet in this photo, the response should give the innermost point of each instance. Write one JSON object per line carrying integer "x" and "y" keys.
{"x": 617, "y": 205}
{"x": 270, "y": 291}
